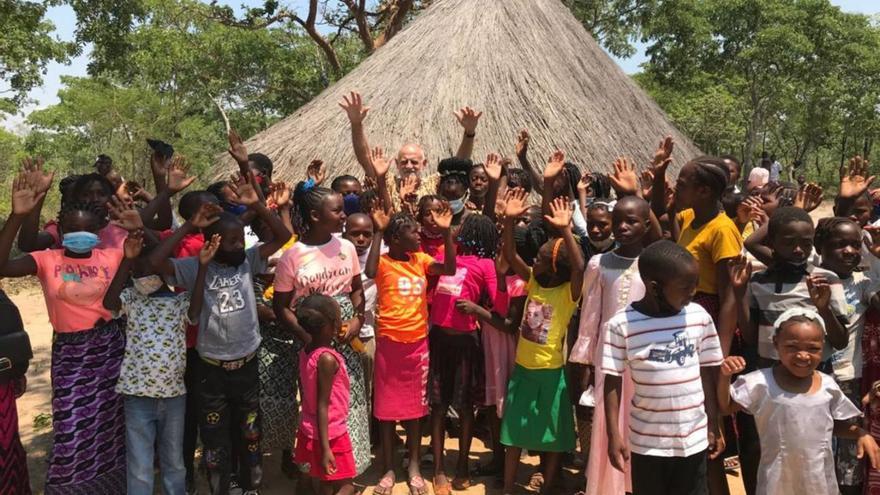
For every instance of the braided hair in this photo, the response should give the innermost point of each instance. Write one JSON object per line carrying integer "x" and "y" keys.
{"x": 98, "y": 211}
{"x": 825, "y": 229}
{"x": 601, "y": 186}
{"x": 477, "y": 236}
{"x": 573, "y": 174}
{"x": 317, "y": 311}
{"x": 307, "y": 198}
{"x": 455, "y": 169}
{"x": 397, "y": 222}
{"x": 529, "y": 239}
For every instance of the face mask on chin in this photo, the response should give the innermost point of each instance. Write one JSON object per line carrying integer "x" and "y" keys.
{"x": 603, "y": 244}
{"x": 147, "y": 285}
{"x": 456, "y": 205}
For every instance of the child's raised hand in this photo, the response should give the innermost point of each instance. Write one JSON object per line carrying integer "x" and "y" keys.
{"x": 663, "y": 154}
{"x": 820, "y": 291}
{"x": 133, "y": 244}
{"x": 583, "y": 185}
{"x": 468, "y": 118}
{"x": 176, "y": 175}
{"x": 279, "y": 194}
{"x": 493, "y": 166}
{"x": 732, "y": 365}
{"x": 408, "y": 187}
{"x": 647, "y": 181}
{"x": 124, "y": 215}
{"x": 554, "y": 165}
{"x": 237, "y": 148}
{"x": 39, "y": 180}
{"x": 442, "y": 217}
{"x": 625, "y": 180}
{"x": 739, "y": 270}
{"x": 380, "y": 163}
{"x": 522, "y": 144}
{"x": 867, "y": 445}
{"x": 205, "y": 215}
{"x": 24, "y": 194}
{"x": 874, "y": 247}
{"x": 209, "y": 249}
{"x": 380, "y": 217}
{"x": 515, "y": 200}
{"x": 560, "y": 213}
{"x": 243, "y": 193}
{"x": 316, "y": 171}
{"x": 854, "y": 180}
{"x": 808, "y": 197}
{"x": 354, "y": 107}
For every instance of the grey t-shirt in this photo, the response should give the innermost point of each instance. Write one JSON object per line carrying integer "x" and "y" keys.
{"x": 228, "y": 325}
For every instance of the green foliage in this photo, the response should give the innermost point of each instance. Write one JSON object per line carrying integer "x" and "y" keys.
{"x": 26, "y": 47}
{"x": 614, "y": 23}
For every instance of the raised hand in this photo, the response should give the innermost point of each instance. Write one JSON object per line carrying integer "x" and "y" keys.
{"x": 874, "y": 247}
{"x": 209, "y": 249}
{"x": 136, "y": 191}
{"x": 584, "y": 185}
{"x": 133, "y": 244}
{"x": 493, "y": 166}
{"x": 408, "y": 187}
{"x": 205, "y": 215}
{"x": 739, "y": 270}
{"x": 820, "y": 291}
{"x": 124, "y": 215}
{"x": 732, "y": 365}
{"x": 237, "y": 148}
{"x": 744, "y": 211}
{"x": 560, "y": 213}
{"x": 24, "y": 194}
{"x": 279, "y": 194}
{"x": 808, "y": 197}
{"x": 176, "y": 175}
{"x": 380, "y": 217}
{"x": 647, "y": 183}
{"x": 442, "y": 217}
{"x": 854, "y": 180}
{"x": 625, "y": 180}
{"x": 39, "y": 180}
{"x": 663, "y": 153}
{"x": 316, "y": 171}
{"x": 354, "y": 107}
{"x": 554, "y": 165}
{"x": 380, "y": 163}
{"x": 522, "y": 144}
{"x": 158, "y": 164}
{"x": 468, "y": 118}
{"x": 244, "y": 193}
{"x": 515, "y": 202}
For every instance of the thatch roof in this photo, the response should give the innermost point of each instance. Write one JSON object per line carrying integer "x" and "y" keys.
{"x": 524, "y": 63}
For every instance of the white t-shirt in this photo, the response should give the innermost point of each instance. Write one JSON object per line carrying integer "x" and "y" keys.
{"x": 668, "y": 416}
{"x": 775, "y": 170}
{"x": 858, "y": 291}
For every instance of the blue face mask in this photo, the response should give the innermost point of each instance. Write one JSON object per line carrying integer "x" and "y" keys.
{"x": 351, "y": 204}
{"x": 80, "y": 242}
{"x": 456, "y": 205}
{"x": 234, "y": 209}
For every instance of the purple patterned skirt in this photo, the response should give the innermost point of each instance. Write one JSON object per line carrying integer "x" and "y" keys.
{"x": 88, "y": 454}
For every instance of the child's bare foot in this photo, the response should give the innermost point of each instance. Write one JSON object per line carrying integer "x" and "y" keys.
{"x": 386, "y": 484}
{"x": 441, "y": 485}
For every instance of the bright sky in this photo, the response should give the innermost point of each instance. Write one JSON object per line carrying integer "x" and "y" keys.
{"x": 65, "y": 24}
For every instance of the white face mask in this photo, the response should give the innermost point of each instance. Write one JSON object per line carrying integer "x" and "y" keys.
{"x": 603, "y": 245}
{"x": 147, "y": 285}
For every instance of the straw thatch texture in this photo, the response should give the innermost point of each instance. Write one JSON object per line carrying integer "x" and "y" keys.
{"x": 524, "y": 63}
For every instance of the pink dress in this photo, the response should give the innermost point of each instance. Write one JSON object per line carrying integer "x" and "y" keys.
{"x": 500, "y": 348}
{"x": 611, "y": 283}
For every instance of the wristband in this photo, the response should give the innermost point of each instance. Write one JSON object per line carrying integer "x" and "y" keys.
{"x": 470, "y": 135}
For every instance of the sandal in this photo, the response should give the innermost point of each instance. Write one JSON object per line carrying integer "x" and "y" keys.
{"x": 385, "y": 485}
{"x": 461, "y": 484}
{"x": 417, "y": 486}
{"x": 442, "y": 489}
{"x": 536, "y": 482}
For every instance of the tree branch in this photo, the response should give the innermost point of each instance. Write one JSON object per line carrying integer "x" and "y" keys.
{"x": 399, "y": 10}
{"x": 359, "y": 10}
{"x": 309, "y": 26}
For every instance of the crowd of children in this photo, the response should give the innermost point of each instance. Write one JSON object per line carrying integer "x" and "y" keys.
{"x": 605, "y": 313}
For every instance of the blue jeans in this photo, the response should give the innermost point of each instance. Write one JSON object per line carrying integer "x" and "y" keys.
{"x": 151, "y": 422}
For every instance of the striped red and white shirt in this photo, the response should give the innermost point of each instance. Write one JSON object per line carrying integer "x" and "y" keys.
{"x": 664, "y": 355}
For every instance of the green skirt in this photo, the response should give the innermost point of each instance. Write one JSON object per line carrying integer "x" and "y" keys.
{"x": 538, "y": 414}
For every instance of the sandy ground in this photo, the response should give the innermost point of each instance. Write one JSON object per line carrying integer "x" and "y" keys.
{"x": 35, "y": 408}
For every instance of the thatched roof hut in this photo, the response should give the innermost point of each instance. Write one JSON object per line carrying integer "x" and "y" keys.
{"x": 524, "y": 63}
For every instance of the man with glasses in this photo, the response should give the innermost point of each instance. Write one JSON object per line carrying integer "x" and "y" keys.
{"x": 411, "y": 160}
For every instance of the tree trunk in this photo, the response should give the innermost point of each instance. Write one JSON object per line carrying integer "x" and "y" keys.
{"x": 400, "y": 9}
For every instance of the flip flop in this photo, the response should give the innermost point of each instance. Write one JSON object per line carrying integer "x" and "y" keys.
{"x": 444, "y": 489}
{"x": 417, "y": 486}
{"x": 385, "y": 486}
{"x": 461, "y": 484}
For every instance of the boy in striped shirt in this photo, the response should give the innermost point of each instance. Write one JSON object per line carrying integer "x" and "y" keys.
{"x": 672, "y": 350}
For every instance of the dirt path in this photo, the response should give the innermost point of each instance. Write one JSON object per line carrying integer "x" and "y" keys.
{"x": 34, "y": 410}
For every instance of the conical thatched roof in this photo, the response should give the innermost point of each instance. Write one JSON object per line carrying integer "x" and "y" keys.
{"x": 524, "y": 63}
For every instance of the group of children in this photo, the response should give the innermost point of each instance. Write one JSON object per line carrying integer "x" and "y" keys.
{"x": 613, "y": 313}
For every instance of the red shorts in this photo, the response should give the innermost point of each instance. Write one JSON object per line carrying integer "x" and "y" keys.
{"x": 308, "y": 451}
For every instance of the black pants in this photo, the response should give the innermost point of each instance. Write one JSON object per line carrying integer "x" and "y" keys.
{"x": 230, "y": 405}
{"x": 653, "y": 475}
{"x": 191, "y": 419}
